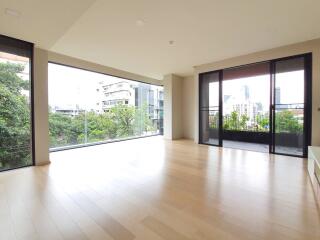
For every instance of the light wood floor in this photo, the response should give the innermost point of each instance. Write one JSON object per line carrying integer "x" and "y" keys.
{"x": 156, "y": 189}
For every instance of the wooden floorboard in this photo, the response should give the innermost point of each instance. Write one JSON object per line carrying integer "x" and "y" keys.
{"x": 153, "y": 188}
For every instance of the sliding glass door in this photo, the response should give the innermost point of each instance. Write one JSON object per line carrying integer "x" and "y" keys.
{"x": 291, "y": 106}
{"x": 15, "y": 103}
{"x": 246, "y": 101}
{"x": 262, "y": 107}
{"x": 210, "y": 108}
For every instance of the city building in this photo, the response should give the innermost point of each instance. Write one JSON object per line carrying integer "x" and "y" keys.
{"x": 122, "y": 92}
{"x": 69, "y": 110}
{"x": 244, "y": 105}
{"x": 139, "y": 95}
{"x": 152, "y": 98}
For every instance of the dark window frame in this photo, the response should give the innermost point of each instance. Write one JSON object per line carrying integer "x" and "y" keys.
{"x": 307, "y": 98}
{"x": 19, "y": 42}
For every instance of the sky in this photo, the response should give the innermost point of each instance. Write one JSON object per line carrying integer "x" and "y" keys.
{"x": 69, "y": 86}
{"x": 290, "y": 84}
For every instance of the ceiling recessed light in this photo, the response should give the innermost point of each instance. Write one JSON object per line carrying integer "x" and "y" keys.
{"x": 12, "y": 12}
{"x": 140, "y": 23}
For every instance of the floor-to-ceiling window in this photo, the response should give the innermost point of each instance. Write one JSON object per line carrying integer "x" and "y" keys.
{"x": 263, "y": 106}
{"x": 15, "y": 103}
{"x": 289, "y": 106}
{"x": 246, "y": 107}
{"x": 87, "y": 107}
{"x": 210, "y": 108}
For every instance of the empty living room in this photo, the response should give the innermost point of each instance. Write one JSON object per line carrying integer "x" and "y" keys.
{"x": 159, "y": 120}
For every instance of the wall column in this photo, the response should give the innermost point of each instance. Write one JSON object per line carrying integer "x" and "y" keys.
{"x": 173, "y": 107}
{"x": 40, "y": 94}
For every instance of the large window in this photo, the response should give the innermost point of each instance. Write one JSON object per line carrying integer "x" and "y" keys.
{"x": 246, "y": 98}
{"x": 15, "y": 104}
{"x": 262, "y": 106}
{"x": 87, "y": 107}
{"x": 289, "y": 106}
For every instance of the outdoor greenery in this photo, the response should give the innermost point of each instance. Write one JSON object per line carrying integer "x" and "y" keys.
{"x": 286, "y": 121}
{"x": 15, "y": 122}
{"x": 121, "y": 121}
{"x": 238, "y": 122}
{"x": 15, "y": 127}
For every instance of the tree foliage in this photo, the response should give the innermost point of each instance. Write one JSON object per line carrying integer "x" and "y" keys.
{"x": 121, "y": 121}
{"x": 15, "y": 121}
{"x": 285, "y": 121}
{"x": 243, "y": 121}
{"x": 15, "y": 127}
{"x": 262, "y": 122}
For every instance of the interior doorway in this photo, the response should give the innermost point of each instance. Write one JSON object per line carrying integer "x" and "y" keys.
{"x": 262, "y": 107}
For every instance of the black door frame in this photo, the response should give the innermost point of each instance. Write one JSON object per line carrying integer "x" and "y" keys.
{"x": 220, "y": 108}
{"x": 307, "y": 103}
{"x": 307, "y": 118}
{"x": 219, "y": 72}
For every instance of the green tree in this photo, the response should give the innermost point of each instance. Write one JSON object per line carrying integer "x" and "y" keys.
{"x": 100, "y": 127}
{"x": 15, "y": 128}
{"x": 286, "y": 121}
{"x": 262, "y": 122}
{"x": 119, "y": 122}
{"x": 226, "y": 123}
{"x": 65, "y": 130}
{"x": 243, "y": 121}
{"x": 142, "y": 121}
{"x": 123, "y": 117}
{"x": 234, "y": 120}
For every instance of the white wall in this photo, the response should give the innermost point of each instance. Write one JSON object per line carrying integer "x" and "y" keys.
{"x": 41, "y": 125}
{"x": 290, "y": 50}
{"x": 188, "y": 107}
{"x": 173, "y": 128}
{"x": 176, "y": 101}
{"x": 167, "y": 108}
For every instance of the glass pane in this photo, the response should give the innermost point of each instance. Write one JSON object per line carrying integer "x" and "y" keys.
{"x": 88, "y": 107}
{"x": 289, "y": 106}
{"x": 246, "y": 103}
{"x": 209, "y": 108}
{"x": 15, "y": 105}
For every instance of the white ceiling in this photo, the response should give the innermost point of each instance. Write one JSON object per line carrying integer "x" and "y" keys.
{"x": 105, "y": 31}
